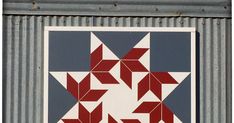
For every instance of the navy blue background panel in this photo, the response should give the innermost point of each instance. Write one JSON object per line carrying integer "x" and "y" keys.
{"x": 69, "y": 51}
{"x": 170, "y": 51}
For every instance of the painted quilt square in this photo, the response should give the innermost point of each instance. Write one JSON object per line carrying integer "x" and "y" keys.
{"x": 119, "y": 75}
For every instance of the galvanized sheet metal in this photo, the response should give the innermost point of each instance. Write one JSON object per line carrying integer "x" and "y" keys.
{"x": 23, "y": 61}
{"x": 193, "y": 8}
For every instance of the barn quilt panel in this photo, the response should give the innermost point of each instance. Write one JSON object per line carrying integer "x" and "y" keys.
{"x": 119, "y": 75}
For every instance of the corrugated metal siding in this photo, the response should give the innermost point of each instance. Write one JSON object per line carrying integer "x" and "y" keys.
{"x": 23, "y": 60}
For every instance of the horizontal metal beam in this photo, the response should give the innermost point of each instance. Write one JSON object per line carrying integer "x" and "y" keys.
{"x": 216, "y": 8}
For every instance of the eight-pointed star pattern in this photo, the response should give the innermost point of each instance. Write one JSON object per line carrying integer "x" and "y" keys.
{"x": 119, "y": 90}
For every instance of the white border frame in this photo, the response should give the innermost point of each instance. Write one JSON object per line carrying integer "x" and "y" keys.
{"x": 132, "y": 29}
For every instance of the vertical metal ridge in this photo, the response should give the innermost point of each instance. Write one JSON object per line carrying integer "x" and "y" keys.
{"x": 128, "y": 22}
{"x": 116, "y": 22}
{"x": 23, "y": 68}
{"x": 229, "y": 71}
{"x": 172, "y": 22}
{"x": 208, "y": 69}
{"x": 223, "y": 45}
{"x": 20, "y": 67}
{"x": 216, "y": 70}
{"x": 4, "y": 68}
{"x": 27, "y": 71}
{"x": 31, "y": 73}
{"x": 68, "y": 21}
{"x": 8, "y": 69}
{"x": 200, "y": 26}
{"x": 23, "y": 60}
{"x": 75, "y": 21}
{"x": 12, "y": 73}
{"x": 16, "y": 70}
{"x": 61, "y": 21}
{"x": 35, "y": 47}
{"x": 149, "y": 22}
{"x": 38, "y": 54}
{"x": 121, "y": 21}
{"x": 53, "y": 21}
{"x": 220, "y": 58}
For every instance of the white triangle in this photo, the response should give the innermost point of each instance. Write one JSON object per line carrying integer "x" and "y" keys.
{"x": 78, "y": 76}
{"x": 61, "y": 77}
{"x": 149, "y": 96}
{"x": 96, "y": 84}
{"x": 138, "y": 76}
{"x": 90, "y": 106}
{"x": 60, "y": 121}
{"x": 95, "y": 42}
{"x": 145, "y": 60}
{"x": 179, "y": 76}
{"x": 161, "y": 121}
{"x": 115, "y": 71}
{"x": 167, "y": 89}
{"x": 72, "y": 113}
{"x": 176, "y": 119}
{"x": 108, "y": 54}
{"x": 144, "y": 43}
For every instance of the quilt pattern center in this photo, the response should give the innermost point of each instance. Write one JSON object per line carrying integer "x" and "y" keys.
{"x": 120, "y": 87}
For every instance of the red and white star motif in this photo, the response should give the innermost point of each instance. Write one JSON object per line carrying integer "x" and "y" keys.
{"x": 120, "y": 90}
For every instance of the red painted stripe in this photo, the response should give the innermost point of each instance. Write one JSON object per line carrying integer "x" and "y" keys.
{"x": 105, "y": 78}
{"x": 93, "y": 95}
{"x": 84, "y": 114}
{"x": 164, "y": 77}
{"x": 135, "y": 53}
{"x": 126, "y": 74}
{"x": 111, "y": 119}
{"x": 105, "y": 65}
{"x": 146, "y": 107}
{"x": 96, "y": 114}
{"x": 96, "y": 56}
{"x": 72, "y": 86}
{"x": 143, "y": 86}
{"x": 130, "y": 121}
{"x": 84, "y": 86}
{"x": 135, "y": 66}
{"x": 156, "y": 87}
{"x": 167, "y": 114}
{"x": 155, "y": 115}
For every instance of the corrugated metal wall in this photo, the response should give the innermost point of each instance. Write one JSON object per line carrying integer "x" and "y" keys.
{"x": 23, "y": 61}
